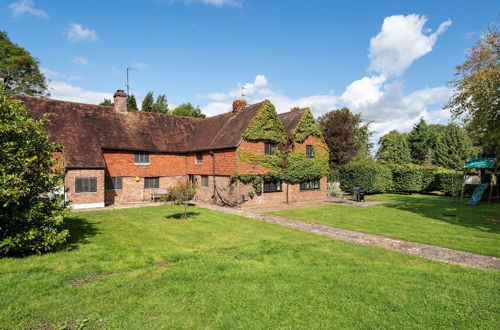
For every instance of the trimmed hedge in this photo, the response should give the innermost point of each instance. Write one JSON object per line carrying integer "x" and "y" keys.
{"x": 372, "y": 177}
{"x": 407, "y": 178}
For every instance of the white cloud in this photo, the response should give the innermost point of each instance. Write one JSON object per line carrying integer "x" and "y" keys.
{"x": 401, "y": 41}
{"x": 51, "y": 74}
{"x": 26, "y": 7}
{"x": 261, "y": 89}
{"x": 77, "y": 32}
{"x": 81, "y": 60}
{"x": 64, "y": 91}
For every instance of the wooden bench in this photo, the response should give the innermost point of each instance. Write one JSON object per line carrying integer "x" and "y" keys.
{"x": 157, "y": 194}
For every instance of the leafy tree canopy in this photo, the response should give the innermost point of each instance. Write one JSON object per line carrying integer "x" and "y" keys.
{"x": 476, "y": 95}
{"x": 107, "y": 102}
{"x": 147, "y": 103}
{"x": 187, "y": 109}
{"x": 20, "y": 70}
{"x": 393, "y": 148}
{"x": 345, "y": 135}
{"x": 31, "y": 200}
{"x": 161, "y": 105}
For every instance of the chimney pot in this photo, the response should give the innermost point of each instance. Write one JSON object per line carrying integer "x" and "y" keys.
{"x": 238, "y": 105}
{"x": 120, "y": 98}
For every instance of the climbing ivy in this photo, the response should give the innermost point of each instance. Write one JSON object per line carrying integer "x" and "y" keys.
{"x": 256, "y": 180}
{"x": 307, "y": 126}
{"x": 301, "y": 168}
{"x": 269, "y": 161}
{"x": 265, "y": 126}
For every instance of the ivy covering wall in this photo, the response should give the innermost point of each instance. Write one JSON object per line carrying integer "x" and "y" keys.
{"x": 287, "y": 163}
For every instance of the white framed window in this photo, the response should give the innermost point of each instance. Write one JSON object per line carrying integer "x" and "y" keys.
{"x": 269, "y": 148}
{"x": 310, "y": 185}
{"x": 198, "y": 158}
{"x": 310, "y": 151}
{"x": 141, "y": 158}
{"x": 113, "y": 183}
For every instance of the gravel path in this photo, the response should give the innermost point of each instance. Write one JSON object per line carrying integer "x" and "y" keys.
{"x": 450, "y": 256}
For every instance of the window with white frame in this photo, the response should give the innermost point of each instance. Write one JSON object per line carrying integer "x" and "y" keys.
{"x": 141, "y": 158}
{"x": 198, "y": 158}
{"x": 113, "y": 183}
{"x": 310, "y": 151}
{"x": 269, "y": 148}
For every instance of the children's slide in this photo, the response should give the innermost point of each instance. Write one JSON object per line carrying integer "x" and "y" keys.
{"x": 478, "y": 194}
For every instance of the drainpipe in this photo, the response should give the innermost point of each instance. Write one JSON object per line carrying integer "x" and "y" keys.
{"x": 213, "y": 170}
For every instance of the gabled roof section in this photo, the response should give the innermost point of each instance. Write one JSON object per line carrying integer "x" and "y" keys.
{"x": 291, "y": 119}
{"x": 85, "y": 129}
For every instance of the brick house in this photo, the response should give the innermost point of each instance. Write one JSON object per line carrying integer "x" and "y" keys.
{"x": 115, "y": 156}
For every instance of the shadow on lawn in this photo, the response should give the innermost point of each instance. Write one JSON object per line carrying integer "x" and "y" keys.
{"x": 80, "y": 230}
{"x": 178, "y": 216}
{"x": 450, "y": 210}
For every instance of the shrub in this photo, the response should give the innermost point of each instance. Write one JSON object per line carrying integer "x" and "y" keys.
{"x": 448, "y": 182}
{"x": 31, "y": 209}
{"x": 372, "y": 177}
{"x": 181, "y": 195}
{"x": 407, "y": 178}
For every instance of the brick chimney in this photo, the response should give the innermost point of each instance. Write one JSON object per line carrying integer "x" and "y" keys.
{"x": 120, "y": 101}
{"x": 238, "y": 105}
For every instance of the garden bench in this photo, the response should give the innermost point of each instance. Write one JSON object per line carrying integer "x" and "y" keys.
{"x": 157, "y": 193}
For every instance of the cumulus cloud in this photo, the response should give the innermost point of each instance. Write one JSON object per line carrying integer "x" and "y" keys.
{"x": 64, "y": 91}
{"x": 81, "y": 60}
{"x": 401, "y": 41}
{"x": 26, "y": 7}
{"x": 77, "y": 32}
{"x": 379, "y": 97}
{"x": 261, "y": 89}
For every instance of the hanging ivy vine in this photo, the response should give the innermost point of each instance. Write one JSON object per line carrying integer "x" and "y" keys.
{"x": 307, "y": 126}
{"x": 265, "y": 126}
{"x": 301, "y": 168}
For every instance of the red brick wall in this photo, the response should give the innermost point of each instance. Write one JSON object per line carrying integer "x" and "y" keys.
{"x": 121, "y": 163}
{"x": 310, "y": 140}
{"x": 256, "y": 148}
{"x": 84, "y": 198}
{"x": 225, "y": 163}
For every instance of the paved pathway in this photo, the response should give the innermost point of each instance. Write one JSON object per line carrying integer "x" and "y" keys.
{"x": 422, "y": 250}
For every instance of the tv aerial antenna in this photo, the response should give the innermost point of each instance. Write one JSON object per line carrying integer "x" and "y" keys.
{"x": 243, "y": 91}
{"x": 128, "y": 86}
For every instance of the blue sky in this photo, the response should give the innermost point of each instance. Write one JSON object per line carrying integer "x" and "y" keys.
{"x": 389, "y": 60}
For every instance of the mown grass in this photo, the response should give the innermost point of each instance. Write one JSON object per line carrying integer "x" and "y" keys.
{"x": 434, "y": 220}
{"x": 142, "y": 268}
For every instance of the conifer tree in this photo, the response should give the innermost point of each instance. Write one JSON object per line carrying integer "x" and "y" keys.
{"x": 420, "y": 141}
{"x": 453, "y": 147}
{"x": 131, "y": 102}
{"x": 161, "y": 105}
{"x": 148, "y": 102}
{"x": 394, "y": 148}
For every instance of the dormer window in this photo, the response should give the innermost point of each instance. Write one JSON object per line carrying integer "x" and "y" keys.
{"x": 310, "y": 151}
{"x": 141, "y": 158}
{"x": 198, "y": 158}
{"x": 269, "y": 148}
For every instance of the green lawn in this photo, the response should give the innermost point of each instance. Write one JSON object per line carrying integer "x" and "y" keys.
{"x": 435, "y": 220}
{"x": 142, "y": 268}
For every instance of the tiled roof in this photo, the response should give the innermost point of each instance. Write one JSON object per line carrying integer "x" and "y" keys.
{"x": 85, "y": 129}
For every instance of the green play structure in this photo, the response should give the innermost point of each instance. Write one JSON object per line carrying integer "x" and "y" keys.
{"x": 482, "y": 164}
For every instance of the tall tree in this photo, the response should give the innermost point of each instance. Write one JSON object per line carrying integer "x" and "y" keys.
{"x": 107, "y": 102}
{"x": 345, "y": 135}
{"x": 420, "y": 140}
{"x": 20, "y": 71}
{"x": 161, "y": 105}
{"x": 31, "y": 203}
{"x": 394, "y": 148}
{"x": 187, "y": 109}
{"x": 148, "y": 102}
{"x": 131, "y": 102}
{"x": 453, "y": 147}
{"x": 476, "y": 95}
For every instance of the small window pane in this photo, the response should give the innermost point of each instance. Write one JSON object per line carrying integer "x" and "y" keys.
{"x": 308, "y": 185}
{"x": 310, "y": 151}
{"x": 84, "y": 185}
{"x": 198, "y": 158}
{"x": 269, "y": 148}
{"x": 204, "y": 180}
{"x": 141, "y": 157}
{"x": 151, "y": 183}
{"x": 113, "y": 183}
{"x": 272, "y": 186}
